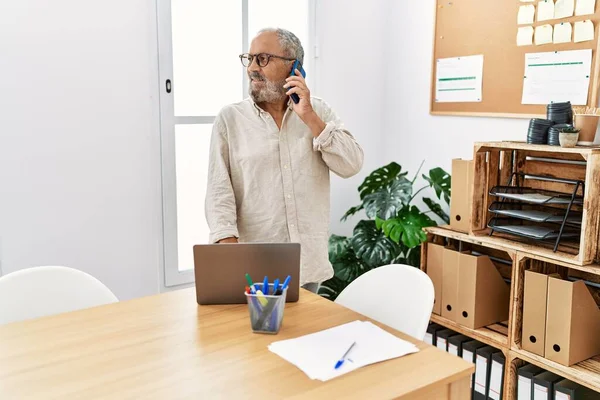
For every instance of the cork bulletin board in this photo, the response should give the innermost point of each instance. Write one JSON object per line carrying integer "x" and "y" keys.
{"x": 473, "y": 27}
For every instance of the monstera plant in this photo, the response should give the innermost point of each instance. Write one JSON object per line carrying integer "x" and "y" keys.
{"x": 394, "y": 231}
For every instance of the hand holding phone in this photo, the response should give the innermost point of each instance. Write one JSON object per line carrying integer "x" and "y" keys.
{"x": 297, "y": 66}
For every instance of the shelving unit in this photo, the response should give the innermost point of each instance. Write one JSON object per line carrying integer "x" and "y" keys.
{"x": 494, "y": 164}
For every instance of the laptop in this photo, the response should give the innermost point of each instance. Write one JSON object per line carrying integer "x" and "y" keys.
{"x": 220, "y": 269}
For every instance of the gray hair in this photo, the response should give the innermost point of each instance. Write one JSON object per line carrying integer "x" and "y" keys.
{"x": 289, "y": 42}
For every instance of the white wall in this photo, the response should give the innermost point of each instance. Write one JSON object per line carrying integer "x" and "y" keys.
{"x": 412, "y": 135}
{"x": 79, "y": 140}
{"x": 351, "y": 41}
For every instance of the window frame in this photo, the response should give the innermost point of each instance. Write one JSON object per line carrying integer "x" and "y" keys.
{"x": 172, "y": 275}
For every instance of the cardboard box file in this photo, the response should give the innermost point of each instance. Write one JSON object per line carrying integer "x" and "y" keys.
{"x": 450, "y": 284}
{"x": 483, "y": 295}
{"x": 435, "y": 256}
{"x": 572, "y": 322}
{"x": 534, "y": 312}
{"x": 462, "y": 195}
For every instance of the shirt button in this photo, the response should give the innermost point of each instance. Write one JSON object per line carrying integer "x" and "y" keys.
{"x": 285, "y": 166}
{"x": 292, "y": 225}
{"x": 289, "y": 196}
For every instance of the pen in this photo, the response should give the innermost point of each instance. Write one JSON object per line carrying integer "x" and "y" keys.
{"x": 285, "y": 284}
{"x": 266, "y": 286}
{"x": 275, "y": 286}
{"x": 341, "y": 360}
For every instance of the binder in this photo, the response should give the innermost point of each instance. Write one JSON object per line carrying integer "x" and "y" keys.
{"x": 568, "y": 390}
{"x": 450, "y": 285}
{"x": 455, "y": 344}
{"x": 468, "y": 354}
{"x": 525, "y": 382}
{"x": 543, "y": 385}
{"x": 435, "y": 255}
{"x": 483, "y": 367}
{"x": 441, "y": 341}
{"x": 430, "y": 335}
{"x": 534, "y": 312}
{"x": 496, "y": 388}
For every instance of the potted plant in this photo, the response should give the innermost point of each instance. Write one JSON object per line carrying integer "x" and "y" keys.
{"x": 568, "y": 137}
{"x": 393, "y": 232}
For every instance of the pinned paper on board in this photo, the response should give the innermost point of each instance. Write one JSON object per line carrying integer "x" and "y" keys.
{"x": 543, "y": 34}
{"x": 584, "y": 31}
{"x": 459, "y": 79}
{"x": 564, "y": 8}
{"x": 557, "y": 76}
{"x": 525, "y": 36}
{"x": 563, "y": 33}
{"x": 585, "y": 7}
{"x": 526, "y": 14}
{"x": 545, "y": 10}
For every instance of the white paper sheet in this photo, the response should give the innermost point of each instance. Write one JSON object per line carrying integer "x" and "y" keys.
{"x": 564, "y": 8}
{"x": 545, "y": 10}
{"x": 562, "y": 33}
{"x": 459, "y": 79}
{"x": 526, "y": 14}
{"x": 524, "y": 388}
{"x": 557, "y": 77}
{"x": 543, "y": 34}
{"x": 525, "y": 36}
{"x": 584, "y": 31}
{"x": 480, "y": 374}
{"x": 316, "y": 354}
{"x": 495, "y": 380}
{"x": 585, "y": 7}
{"x": 540, "y": 393}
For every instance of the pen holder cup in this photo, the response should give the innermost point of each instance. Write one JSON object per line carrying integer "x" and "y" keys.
{"x": 266, "y": 312}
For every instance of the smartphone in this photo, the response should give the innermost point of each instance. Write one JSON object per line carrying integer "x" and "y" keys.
{"x": 297, "y": 66}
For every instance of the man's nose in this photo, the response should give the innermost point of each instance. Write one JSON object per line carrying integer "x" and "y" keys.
{"x": 253, "y": 66}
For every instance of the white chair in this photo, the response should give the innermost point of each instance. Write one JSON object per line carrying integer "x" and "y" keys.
{"x": 400, "y": 296}
{"x": 40, "y": 291}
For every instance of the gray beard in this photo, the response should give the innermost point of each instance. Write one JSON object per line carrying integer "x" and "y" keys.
{"x": 273, "y": 92}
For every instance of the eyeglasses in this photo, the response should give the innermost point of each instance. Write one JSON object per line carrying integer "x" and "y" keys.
{"x": 262, "y": 59}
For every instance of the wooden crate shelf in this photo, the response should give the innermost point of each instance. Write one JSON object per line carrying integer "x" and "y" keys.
{"x": 495, "y": 162}
{"x": 487, "y": 335}
{"x": 586, "y": 373}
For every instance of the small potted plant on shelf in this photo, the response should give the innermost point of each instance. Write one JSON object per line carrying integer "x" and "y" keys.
{"x": 568, "y": 137}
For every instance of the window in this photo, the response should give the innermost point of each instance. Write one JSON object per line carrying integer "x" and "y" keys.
{"x": 200, "y": 72}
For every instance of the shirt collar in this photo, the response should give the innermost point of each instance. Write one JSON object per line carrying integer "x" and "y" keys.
{"x": 259, "y": 110}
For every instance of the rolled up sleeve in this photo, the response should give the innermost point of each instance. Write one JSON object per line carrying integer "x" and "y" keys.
{"x": 340, "y": 151}
{"x": 220, "y": 206}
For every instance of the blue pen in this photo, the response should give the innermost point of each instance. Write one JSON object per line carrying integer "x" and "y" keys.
{"x": 286, "y": 283}
{"x": 341, "y": 360}
{"x": 266, "y": 286}
{"x": 275, "y": 285}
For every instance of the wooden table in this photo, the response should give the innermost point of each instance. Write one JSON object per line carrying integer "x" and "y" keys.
{"x": 168, "y": 347}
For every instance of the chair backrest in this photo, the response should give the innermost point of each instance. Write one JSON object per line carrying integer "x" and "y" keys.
{"x": 40, "y": 291}
{"x": 400, "y": 296}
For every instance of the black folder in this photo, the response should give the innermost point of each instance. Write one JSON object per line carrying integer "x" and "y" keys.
{"x": 543, "y": 385}
{"x": 496, "y": 386}
{"x": 483, "y": 366}
{"x": 432, "y": 330}
{"x": 574, "y": 391}
{"x": 525, "y": 382}
{"x": 455, "y": 344}
{"x": 442, "y": 336}
{"x": 468, "y": 354}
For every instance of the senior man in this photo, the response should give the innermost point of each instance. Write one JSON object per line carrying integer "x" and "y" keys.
{"x": 270, "y": 159}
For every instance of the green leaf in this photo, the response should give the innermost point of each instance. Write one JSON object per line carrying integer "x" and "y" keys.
{"x": 338, "y": 246}
{"x": 372, "y": 246}
{"x": 437, "y": 209}
{"x": 330, "y": 289}
{"x": 440, "y": 181}
{"x": 351, "y": 212}
{"x": 408, "y": 227}
{"x": 380, "y": 178}
{"x": 379, "y": 222}
{"x": 386, "y": 202}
